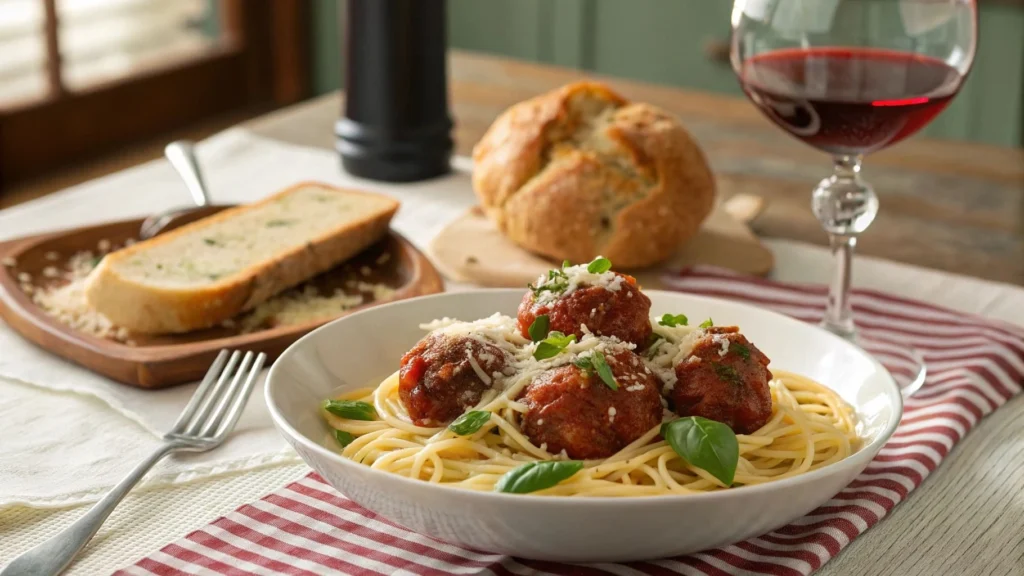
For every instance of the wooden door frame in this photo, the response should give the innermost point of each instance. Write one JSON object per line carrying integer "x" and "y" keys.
{"x": 261, "y": 63}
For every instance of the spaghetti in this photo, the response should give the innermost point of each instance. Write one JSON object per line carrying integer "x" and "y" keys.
{"x": 810, "y": 427}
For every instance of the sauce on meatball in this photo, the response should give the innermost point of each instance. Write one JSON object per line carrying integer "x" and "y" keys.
{"x": 616, "y": 309}
{"x": 725, "y": 378}
{"x": 574, "y": 410}
{"x": 444, "y": 375}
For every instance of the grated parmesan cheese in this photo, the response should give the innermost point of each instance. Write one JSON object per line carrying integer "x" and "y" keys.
{"x": 676, "y": 344}
{"x": 66, "y": 302}
{"x": 298, "y": 306}
{"x": 611, "y": 413}
{"x": 575, "y": 277}
{"x": 723, "y": 343}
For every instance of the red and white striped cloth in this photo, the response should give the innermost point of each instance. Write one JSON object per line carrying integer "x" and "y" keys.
{"x": 974, "y": 366}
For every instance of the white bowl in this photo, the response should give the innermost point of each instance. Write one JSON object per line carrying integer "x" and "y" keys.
{"x": 361, "y": 349}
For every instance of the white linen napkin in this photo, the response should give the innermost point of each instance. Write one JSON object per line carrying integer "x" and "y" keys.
{"x": 77, "y": 446}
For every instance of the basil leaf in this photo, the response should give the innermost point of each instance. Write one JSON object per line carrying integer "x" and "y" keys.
{"x": 553, "y": 345}
{"x": 343, "y": 438}
{"x": 584, "y": 364}
{"x": 539, "y": 328}
{"x": 599, "y": 265}
{"x": 534, "y": 476}
{"x": 350, "y": 409}
{"x": 469, "y": 422}
{"x": 706, "y": 444}
{"x": 673, "y": 321}
{"x": 603, "y": 370}
{"x": 707, "y": 323}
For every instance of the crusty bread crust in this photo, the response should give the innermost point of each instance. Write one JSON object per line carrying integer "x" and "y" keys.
{"x": 150, "y": 309}
{"x": 580, "y": 172}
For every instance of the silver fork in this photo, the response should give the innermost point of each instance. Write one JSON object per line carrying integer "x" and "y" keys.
{"x": 210, "y": 415}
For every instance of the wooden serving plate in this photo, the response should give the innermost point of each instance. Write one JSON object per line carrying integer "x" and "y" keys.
{"x": 158, "y": 361}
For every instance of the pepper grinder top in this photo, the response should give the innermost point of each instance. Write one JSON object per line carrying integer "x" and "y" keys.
{"x": 395, "y": 124}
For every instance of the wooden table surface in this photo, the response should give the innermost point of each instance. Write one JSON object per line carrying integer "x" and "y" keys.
{"x": 946, "y": 205}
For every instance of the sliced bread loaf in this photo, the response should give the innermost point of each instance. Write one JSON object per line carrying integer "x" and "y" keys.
{"x": 209, "y": 271}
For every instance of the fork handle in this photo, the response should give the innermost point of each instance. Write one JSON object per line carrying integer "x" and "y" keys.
{"x": 54, "y": 555}
{"x": 182, "y": 157}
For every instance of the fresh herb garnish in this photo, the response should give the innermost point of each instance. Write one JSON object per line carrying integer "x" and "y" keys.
{"x": 566, "y": 264}
{"x": 95, "y": 261}
{"x": 553, "y": 345}
{"x": 597, "y": 363}
{"x": 653, "y": 339}
{"x": 741, "y": 350}
{"x": 727, "y": 374}
{"x": 469, "y": 422}
{"x": 343, "y": 438}
{"x": 599, "y": 265}
{"x": 534, "y": 476}
{"x": 653, "y": 344}
{"x": 557, "y": 282}
{"x": 211, "y": 242}
{"x": 672, "y": 321}
{"x": 539, "y": 328}
{"x": 707, "y": 323}
{"x": 278, "y": 223}
{"x": 604, "y": 371}
{"x": 350, "y": 409}
{"x": 706, "y": 444}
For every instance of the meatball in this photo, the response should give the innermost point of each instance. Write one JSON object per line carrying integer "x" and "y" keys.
{"x": 725, "y": 378}
{"x": 437, "y": 380}
{"x": 623, "y": 313}
{"x": 574, "y": 410}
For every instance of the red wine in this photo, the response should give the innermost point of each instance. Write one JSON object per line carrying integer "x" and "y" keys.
{"x": 849, "y": 100}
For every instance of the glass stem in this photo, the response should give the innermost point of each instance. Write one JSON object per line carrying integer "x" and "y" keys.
{"x": 845, "y": 205}
{"x": 838, "y": 313}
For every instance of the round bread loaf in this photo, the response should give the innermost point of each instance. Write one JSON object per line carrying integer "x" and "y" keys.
{"x": 581, "y": 172}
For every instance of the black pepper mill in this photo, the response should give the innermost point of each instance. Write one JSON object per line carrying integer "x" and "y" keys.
{"x": 395, "y": 124}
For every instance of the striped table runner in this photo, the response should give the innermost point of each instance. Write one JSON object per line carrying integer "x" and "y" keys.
{"x": 974, "y": 366}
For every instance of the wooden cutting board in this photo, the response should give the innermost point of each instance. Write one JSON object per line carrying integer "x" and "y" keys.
{"x": 158, "y": 361}
{"x": 470, "y": 249}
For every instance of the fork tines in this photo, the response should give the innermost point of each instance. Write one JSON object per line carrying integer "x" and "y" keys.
{"x": 218, "y": 402}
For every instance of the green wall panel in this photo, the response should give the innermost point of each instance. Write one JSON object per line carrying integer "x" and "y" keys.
{"x": 662, "y": 41}
{"x": 325, "y": 45}
{"x": 507, "y": 27}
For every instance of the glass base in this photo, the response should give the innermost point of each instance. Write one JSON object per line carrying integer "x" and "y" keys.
{"x": 905, "y": 363}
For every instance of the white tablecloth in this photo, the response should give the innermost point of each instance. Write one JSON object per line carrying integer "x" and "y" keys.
{"x": 68, "y": 434}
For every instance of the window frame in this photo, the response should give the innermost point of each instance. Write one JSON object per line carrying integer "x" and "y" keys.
{"x": 262, "y": 62}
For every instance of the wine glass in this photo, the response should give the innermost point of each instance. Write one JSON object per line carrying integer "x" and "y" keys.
{"x": 850, "y": 77}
